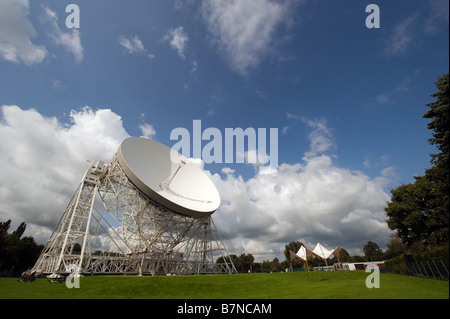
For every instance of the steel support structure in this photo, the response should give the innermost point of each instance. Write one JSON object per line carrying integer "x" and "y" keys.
{"x": 68, "y": 242}
{"x": 124, "y": 232}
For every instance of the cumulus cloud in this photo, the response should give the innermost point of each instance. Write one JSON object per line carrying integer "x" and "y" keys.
{"x": 311, "y": 201}
{"x": 43, "y": 161}
{"x": 314, "y": 202}
{"x": 16, "y": 32}
{"x": 178, "y": 40}
{"x": 244, "y": 30}
{"x": 69, "y": 40}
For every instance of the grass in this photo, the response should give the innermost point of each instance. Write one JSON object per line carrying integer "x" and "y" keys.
{"x": 319, "y": 285}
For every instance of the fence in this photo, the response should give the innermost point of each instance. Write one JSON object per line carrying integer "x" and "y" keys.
{"x": 429, "y": 269}
{"x": 435, "y": 269}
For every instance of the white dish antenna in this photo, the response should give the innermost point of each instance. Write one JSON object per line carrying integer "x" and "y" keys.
{"x": 167, "y": 177}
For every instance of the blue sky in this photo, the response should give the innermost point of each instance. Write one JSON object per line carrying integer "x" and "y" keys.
{"x": 341, "y": 94}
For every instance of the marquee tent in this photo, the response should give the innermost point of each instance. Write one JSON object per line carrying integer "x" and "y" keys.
{"x": 304, "y": 252}
{"x": 325, "y": 253}
{"x": 320, "y": 252}
{"x": 293, "y": 256}
{"x": 336, "y": 252}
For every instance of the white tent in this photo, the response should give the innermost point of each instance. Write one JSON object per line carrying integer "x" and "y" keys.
{"x": 325, "y": 253}
{"x": 304, "y": 252}
{"x": 322, "y": 251}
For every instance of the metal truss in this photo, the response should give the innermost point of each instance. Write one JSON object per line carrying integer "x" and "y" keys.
{"x": 68, "y": 242}
{"x": 124, "y": 232}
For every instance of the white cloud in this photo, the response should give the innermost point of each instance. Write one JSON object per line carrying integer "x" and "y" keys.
{"x": 320, "y": 137}
{"x": 293, "y": 116}
{"x": 316, "y": 202}
{"x": 411, "y": 31}
{"x": 147, "y": 130}
{"x": 227, "y": 170}
{"x": 178, "y": 40}
{"x": 16, "y": 32}
{"x": 194, "y": 67}
{"x": 311, "y": 201}
{"x": 133, "y": 45}
{"x": 43, "y": 160}
{"x": 259, "y": 161}
{"x": 69, "y": 40}
{"x": 244, "y": 30}
{"x": 402, "y": 37}
{"x": 197, "y": 161}
{"x": 389, "y": 171}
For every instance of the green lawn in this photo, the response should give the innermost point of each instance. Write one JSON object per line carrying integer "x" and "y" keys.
{"x": 319, "y": 285}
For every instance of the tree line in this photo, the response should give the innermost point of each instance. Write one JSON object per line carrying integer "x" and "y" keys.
{"x": 372, "y": 252}
{"x": 17, "y": 252}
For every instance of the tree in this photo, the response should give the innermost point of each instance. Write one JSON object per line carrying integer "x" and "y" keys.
{"x": 439, "y": 116}
{"x": 4, "y": 226}
{"x": 266, "y": 265}
{"x": 17, "y": 252}
{"x": 344, "y": 255}
{"x": 372, "y": 251}
{"x": 438, "y": 175}
{"x": 276, "y": 266}
{"x": 244, "y": 262}
{"x": 407, "y": 212}
{"x": 395, "y": 247}
{"x": 419, "y": 211}
{"x": 293, "y": 246}
{"x": 222, "y": 259}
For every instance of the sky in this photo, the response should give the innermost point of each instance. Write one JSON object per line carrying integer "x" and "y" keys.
{"x": 347, "y": 102}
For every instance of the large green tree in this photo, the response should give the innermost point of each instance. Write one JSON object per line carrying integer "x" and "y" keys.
{"x": 419, "y": 211}
{"x": 372, "y": 252}
{"x": 17, "y": 253}
{"x": 244, "y": 262}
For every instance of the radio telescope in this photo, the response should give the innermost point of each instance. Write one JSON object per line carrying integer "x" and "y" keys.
{"x": 147, "y": 212}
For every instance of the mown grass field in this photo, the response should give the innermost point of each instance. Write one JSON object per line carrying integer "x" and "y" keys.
{"x": 297, "y": 285}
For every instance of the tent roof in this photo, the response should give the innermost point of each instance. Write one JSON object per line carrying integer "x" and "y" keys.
{"x": 304, "y": 252}
{"x": 322, "y": 251}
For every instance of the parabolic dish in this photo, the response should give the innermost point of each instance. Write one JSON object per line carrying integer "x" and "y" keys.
{"x": 167, "y": 177}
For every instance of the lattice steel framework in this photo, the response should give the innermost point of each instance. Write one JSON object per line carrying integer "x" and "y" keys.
{"x": 125, "y": 232}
